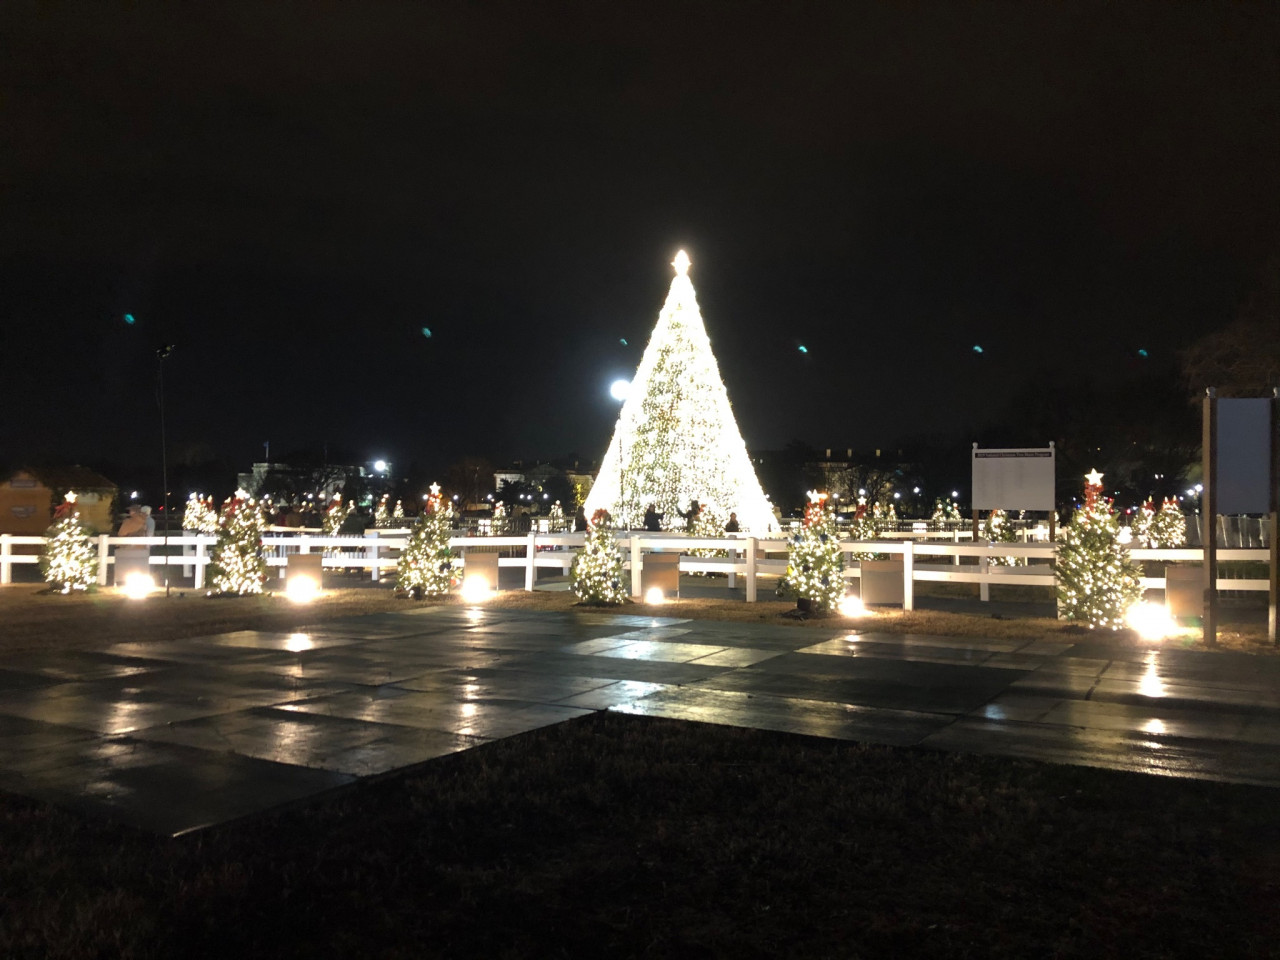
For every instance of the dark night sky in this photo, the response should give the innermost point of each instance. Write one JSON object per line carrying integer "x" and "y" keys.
{"x": 290, "y": 192}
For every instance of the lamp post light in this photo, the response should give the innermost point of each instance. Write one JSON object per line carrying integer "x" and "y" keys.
{"x": 162, "y": 354}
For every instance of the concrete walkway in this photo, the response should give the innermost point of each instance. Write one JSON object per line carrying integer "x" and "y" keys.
{"x": 176, "y": 736}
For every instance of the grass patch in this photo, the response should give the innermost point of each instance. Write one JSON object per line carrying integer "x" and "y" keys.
{"x": 626, "y": 836}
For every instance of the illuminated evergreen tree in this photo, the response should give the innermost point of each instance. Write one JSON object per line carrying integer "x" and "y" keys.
{"x": 597, "y": 573}
{"x": 238, "y": 566}
{"x": 863, "y": 527}
{"x": 427, "y": 566}
{"x": 1097, "y": 583}
{"x": 997, "y": 529}
{"x": 69, "y": 560}
{"x": 555, "y": 518}
{"x": 676, "y": 439}
{"x": 1169, "y": 526}
{"x": 815, "y": 566}
{"x": 398, "y": 513}
{"x": 199, "y": 516}
{"x": 499, "y": 522}
{"x": 1140, "y": 528}
{"x": 380, "y": 512}
{"x": 335, "y": 516}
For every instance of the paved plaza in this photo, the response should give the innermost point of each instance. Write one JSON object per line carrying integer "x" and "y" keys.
{"x": 172, "y": 737}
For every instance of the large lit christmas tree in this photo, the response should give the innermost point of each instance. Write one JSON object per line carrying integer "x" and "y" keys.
{"x": 427, "y": 567}
{"x": 69, "y": 560}
{"x": 597, "y": 574}
{"x": 814, "y": 569}
{"x": 238, "y": 565}
{"x": 676, "y": 439}
{"x": 1097, "y": 583}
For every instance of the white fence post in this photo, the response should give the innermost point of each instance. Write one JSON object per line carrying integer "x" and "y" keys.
{"x": 371, "y": 553}
{"x": 908, "y": 575}
{"x": 637, "y": 565}
{"x": 530, "y": 554}
{"x": 6, "y": 568}
{"x": 984, "y": 567}
{"x": 751, "y": 569}
{"x": 104, "y": 551}
{"x": 201, "y": 561}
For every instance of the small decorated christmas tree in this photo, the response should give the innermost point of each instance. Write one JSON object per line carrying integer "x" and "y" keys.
{"x": 498, "y": 524}
{"x": 398, "y": 512}
{"x": 335, "y": 516}
{"x": 427, "y": 567}
{"x": 200, "y": 516}
{"x": 597, "y": 573}
{"x": 996, "y": 529}
{"x": 555, "y": 517}
{"x": 1140, "y": 528}
{"x": 816, "y": 563}
{"x": 381, "y": 514}
{"x": 1169, "y": 526}
{"x": 238, "y": 565}
{"x": 863, "y": 527}
{"x": 1097, "y": 583}
{"x": 69, "y": 561}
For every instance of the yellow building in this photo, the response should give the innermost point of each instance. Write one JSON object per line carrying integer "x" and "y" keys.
{"x": 28, "y": 498}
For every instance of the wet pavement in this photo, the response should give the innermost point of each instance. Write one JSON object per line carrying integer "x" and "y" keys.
{"x": 173, "y": 737}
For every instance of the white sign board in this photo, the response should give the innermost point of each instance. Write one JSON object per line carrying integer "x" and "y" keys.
{"x": 1244, "y": 456}
{"x": 1017, "y": 479}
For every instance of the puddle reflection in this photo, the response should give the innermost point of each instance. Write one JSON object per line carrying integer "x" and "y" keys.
{"x": 298, "y": 642}
{"x": 1151, "y": 685}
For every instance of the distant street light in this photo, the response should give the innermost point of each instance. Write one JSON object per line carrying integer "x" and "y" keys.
{"x": 620, "y": 389}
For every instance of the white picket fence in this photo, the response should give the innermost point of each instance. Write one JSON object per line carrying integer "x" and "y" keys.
{"x": 750, "y": 558}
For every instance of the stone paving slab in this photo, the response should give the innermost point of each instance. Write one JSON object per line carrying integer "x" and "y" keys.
{"x": 163, "y": 788}
{"x": 178, "y": 735}
{"x": 818, "y": 718}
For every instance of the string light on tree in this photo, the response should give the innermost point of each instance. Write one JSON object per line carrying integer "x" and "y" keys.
{"x": 676, "y": 439}
{"x": 238, "y": 566}
{"x": 199, "y": 516}
{"x": 1140, "y": 528}
{"x": 997, "y": 529}
{"x": 335, "y": 516}
{"x": 1169, "y": 526}
{"x": 555, "y": 517}
{"x": 597, "y": 574}
{"x": 69, "y": 560}
{"x": 1097, "y": 583}
{"x": 427, "y": 566}
{"x": 816, "y": 562}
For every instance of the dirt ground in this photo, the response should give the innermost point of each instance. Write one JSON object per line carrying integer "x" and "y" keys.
{"x": 31, "y": 618}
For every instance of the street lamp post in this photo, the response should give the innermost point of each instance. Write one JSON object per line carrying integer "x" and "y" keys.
{"x": 162, "y": 354}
